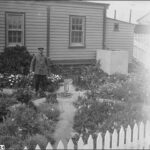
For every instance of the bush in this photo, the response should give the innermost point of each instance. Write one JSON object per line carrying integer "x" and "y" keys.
{"x": 50, "y": 111}
{"x": 89, "y": 77}
{"x": 15, "y": 60}
{"x": 32, "y": 141}
{"x": 24, "y": 95}
{"x": 91, "y": 114}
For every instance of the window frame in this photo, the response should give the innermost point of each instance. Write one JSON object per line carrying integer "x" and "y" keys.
{"x": 22, "y": 43}
{"x": 116, "y": 29}
{"x": 77, "y": 45}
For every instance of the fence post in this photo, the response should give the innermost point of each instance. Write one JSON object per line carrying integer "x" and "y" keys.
{"x": 49, "y": 146}
{"x": 147, "y": 135}
{"x": 90, "y": 143}
{"x": 135, "y": 136}
{"x": 114, "y": 139}
{"x": 25, "y": 148}
{"x": 128, "y": 137}
{"x": 70, "y": 145}
{"x": 37, "y": 147}
{"x": 141, "y": 135}
{"x": 60, "y": 145}
{"x": 80, "y": 143}
{"x": 121, "y": 138}
{"x": 99, "y": 141}
{"x": 107, "y": 140}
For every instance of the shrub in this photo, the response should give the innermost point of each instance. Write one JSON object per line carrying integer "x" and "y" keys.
{"x": 32, "y": 141}
{"x": 50, "y": 111}
{"x": 24, "y": 95}
{"x": 89, "y": 77}
{"x": 52, "y": 98}
{"x": 93, "y": 113}
{"x": 15, "y": 60}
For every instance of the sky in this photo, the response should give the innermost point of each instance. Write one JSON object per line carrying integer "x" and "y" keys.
{"x": 139, "y": 9}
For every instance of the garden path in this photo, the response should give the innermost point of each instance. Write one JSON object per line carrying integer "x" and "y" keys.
{"x": 64, "y": 126}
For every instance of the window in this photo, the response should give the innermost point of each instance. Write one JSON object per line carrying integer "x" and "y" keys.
{"x": 77, "y": 31}
{"x": 116, "y": 26}
{"x": 14, "y": 29}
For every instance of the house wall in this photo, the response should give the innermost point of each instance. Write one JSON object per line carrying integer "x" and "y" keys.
{"x": 122, "y": 39}
{"x": 36, "y": 27}
{"x": 59, "y": 32}
{"x": 35, "y": 23}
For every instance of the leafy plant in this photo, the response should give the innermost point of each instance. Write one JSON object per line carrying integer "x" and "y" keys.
{"x": 15, "y": 60}
{"x": 23, "y": 95}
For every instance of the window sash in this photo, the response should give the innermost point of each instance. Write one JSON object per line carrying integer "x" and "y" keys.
{"x": 15, "y": 29}
{"x": 77, "y": 31}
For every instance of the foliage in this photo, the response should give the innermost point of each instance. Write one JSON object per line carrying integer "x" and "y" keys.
{"x": 15, "y": 60}
{"x": 134, "y": 88}
{"x": 50, "y": 112}
{"x": 32, "y": 141}
{"x": 93, "y": 113}
{"x": 89, "y": 77}
{"x": 52, "y": 98}
{"x": 5, "y": 103}
{"x": 24, "y": 95}
{"x": 26, "y": 126}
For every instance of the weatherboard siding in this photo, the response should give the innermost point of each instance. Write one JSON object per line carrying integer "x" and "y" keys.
{"x": 35, "y": 23}
{"x": 36, "y": 27}
{"x": 59, "y": 32}
{"x": 122, "y": 39}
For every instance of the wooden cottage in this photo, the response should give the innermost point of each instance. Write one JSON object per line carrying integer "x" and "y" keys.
{"x": 70, "y": 31}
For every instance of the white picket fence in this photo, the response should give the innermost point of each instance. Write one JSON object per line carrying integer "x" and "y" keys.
{"x": 136, "y": 138}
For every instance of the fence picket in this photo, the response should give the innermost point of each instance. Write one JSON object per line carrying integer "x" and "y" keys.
{"x": 141, "y": 135}
{"x": 135, "y": 136}
{"x": 147, "y": 134}
{"x": 70, "y": 144}
{"x": 121, "y": 138}
{"x": 37, "y": 147}
{"x": 107, "y": 140}
{"x": 25, "y": 148}
{"x": 90, "y": 143}
{"x": 49, "y": 146}
{"x": 60, "y": 145}
{"x": 128, "y": 137}
{"x": 114, "y": 139}
{"x": 80, "y": 143}
{"x": 99, "y": 142}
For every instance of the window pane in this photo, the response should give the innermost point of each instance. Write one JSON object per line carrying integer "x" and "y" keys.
{"x": 80, "y": 27}
{"x": 14, "y": 36}
{"x": 19, "y": 36}
{"x": 73, "y": 20}
{"x": 73, "y": 27}
{"x": 14, "y": 22}
{"x": 73, "y": 37}
{"x": 10, "y": 36}
{"x": 77, "y": 31}
{"x": 19, "y": 22}
{"x": 9, "y": 22}
{"x": 80, "y": 21}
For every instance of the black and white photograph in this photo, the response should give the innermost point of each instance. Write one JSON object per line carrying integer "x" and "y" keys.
{"x": 74, "y": 74}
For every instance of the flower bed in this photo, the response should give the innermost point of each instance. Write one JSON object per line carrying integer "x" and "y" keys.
{"x": 27, "y": 124}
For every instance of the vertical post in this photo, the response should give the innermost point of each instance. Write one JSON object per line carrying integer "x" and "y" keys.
{"x": 104, "y": 27}
{"x": 115, "y": 14}
{"x": 130, "y": 16}
{"x": 48, "y": 31}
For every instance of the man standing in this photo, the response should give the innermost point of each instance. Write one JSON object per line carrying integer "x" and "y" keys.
{"x": 39, "y": 66}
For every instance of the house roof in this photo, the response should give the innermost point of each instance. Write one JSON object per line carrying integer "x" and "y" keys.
{"x": 82, "y": 2}
{"x": 143, "y": 17}
{"x": 142, "y": 29}
{"x": 120, "y": 21}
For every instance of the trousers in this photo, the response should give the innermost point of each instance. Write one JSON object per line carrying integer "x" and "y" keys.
{"x": 40, "y": 82}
